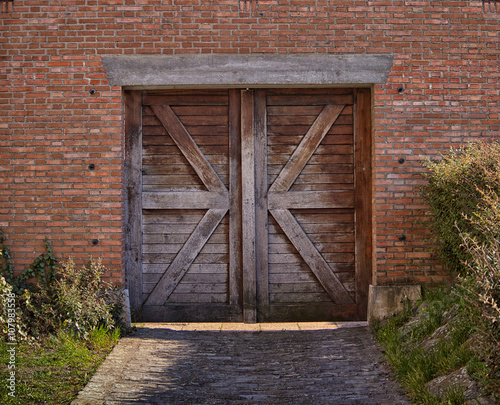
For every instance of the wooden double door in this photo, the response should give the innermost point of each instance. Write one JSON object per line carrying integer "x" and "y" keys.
{"x": 254, "y": 204}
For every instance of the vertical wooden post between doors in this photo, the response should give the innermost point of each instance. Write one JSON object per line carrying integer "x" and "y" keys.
{"x": 248, "y": 207}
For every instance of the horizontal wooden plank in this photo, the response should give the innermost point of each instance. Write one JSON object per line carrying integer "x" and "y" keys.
{"x": 211, "y": 258}
{"x": 209, "y": 268}
{"x": 304, "y": 288}
{"x": 177, "y": 187}
{"x": 167, "y": 170}
{"x": 275, "y": 239}
{"x": 322, "y": 187}
{"x": 174, "y": 150}
{"x": 314, "y": 199}
{"x": 169, "y": 228}
{"x": 179, "y": 159}
{"x": 185, "y": 200}
{"x": 308, "y": 100}
{"x": 172, "y": 216}
{"x": 318, "y": 169}
{"x": 172, "y": 180}
{"x": 207, "y": 110}
{"x": 179, "y": 238}
{"x": 174, "y": 248}
{"x": 315, "y": 159}
{"x": 178, "y": 229}
{"x": 184, "y": 288}
{"x": 331, "y": 258}
{"x": 156, "y": 139}
{"x": 322, "y": 248}
{"x": 298, "y": 297}
{"x": 301, "y": 110}
{"x": 324, "y": 216}
{"x": 213, "y": 278}
{"x": 198, "y": 298}
{"x": 342, "y": 139}
{"x": 318, "y": 228}
{"x": 178, "y": 100}
{"x": 320, "y": 150}
{"x": 311, "y": 91}
{"x": 191, "y": 313}
{"x": 290, "y": 120}
{"x": 313, "y": 311}
{"x": 300, "y": 130}
{"x": 154, "y": 128}
{"x": 313, "y": 287}
{"x": 221, "y": 170}
{"x": 282, "y": 258}
{"x": 300, "y": 272}
{"x": 202, "y": 258}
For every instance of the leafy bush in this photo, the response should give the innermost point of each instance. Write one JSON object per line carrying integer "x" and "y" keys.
{"x": 464, "y": 198}
{"x": 456, "y": 190}
{"x": 51, "y": 297}
{"x": 42, "y": 268}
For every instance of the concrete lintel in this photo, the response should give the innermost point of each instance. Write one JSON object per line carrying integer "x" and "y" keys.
{"x": 262, "y": 70}
{"x": 384, "y": 301}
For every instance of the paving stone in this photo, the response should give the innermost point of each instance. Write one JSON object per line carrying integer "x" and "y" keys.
{"x": 340, "y": 366}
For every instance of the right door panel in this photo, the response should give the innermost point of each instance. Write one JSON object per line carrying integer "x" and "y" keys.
{"x": 311, "y": 203}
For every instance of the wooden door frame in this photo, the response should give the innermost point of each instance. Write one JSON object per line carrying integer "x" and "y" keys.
{"x": 248, "y": 256}
{"x": 363, "y": 197}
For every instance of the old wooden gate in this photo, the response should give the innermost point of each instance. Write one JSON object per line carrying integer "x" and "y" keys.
{"x": 249, "y": 205}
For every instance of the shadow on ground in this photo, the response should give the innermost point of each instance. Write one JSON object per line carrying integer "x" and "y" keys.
{"x": 164, "y": 366}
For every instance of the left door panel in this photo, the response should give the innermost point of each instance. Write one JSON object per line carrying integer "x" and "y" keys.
{"x": 187, "y": 270}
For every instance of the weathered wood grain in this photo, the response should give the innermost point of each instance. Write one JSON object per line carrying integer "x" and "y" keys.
{"x": 248, "y": 206}
{"x": 312, "y": 257}
{"x": 306, "y": 148}
{"x": 189, "y": 148}
{"x": 310, "y": 199}
{"x": 133, "y": 222}
{"x": 185, "y": 200}
{"x": 174, "y": 273}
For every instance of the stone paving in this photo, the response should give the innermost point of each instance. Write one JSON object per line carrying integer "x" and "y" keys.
{"x": 203, "y": 364}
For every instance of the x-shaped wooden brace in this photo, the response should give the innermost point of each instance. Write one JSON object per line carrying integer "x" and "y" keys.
{"x": 215, "y": 200}
{"x": 280, "y": 201}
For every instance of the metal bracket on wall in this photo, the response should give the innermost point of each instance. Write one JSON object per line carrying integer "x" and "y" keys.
{"x": 491, "y": 6}
{"x": 6, "y": 6}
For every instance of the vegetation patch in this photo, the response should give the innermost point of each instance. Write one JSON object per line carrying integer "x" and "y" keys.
{"x": 439, "y": 337}
{"x": 453, "y": 338}
{"x": 55, "y": 368}
{"x": 58, "y": 323}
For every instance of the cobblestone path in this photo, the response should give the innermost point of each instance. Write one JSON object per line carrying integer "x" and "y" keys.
{"x": 161, "y": 365}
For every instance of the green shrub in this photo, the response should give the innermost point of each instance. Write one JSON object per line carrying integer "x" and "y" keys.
{"x": 456, "y": 190}
{"x": 49, "y": 297}
{"x": 463, "y": 193}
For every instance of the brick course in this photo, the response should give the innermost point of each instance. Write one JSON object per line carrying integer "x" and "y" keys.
{"x": 52, "y": 128}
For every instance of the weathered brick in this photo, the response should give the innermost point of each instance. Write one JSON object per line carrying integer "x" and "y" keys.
{"x": 446, "y": 58}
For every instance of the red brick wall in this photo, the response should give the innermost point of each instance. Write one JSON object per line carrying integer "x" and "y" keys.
{"x": 52, "y": 128}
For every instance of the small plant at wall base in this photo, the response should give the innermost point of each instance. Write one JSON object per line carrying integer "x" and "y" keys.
{"x": 53, "y": 296}
{"x": 67, "y": 321}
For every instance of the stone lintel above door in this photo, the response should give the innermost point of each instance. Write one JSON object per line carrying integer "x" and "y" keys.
{"x": 240, "y": 71}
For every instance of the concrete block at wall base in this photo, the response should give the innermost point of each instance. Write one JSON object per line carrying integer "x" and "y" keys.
{"x": 122, "y": 297}
{"x": 387, "y": 300}
{"x": 126, "y": 319}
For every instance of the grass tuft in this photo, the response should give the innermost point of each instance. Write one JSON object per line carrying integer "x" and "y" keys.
{"x": 55, "y": 369}
{"x": 439, "y": 339}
